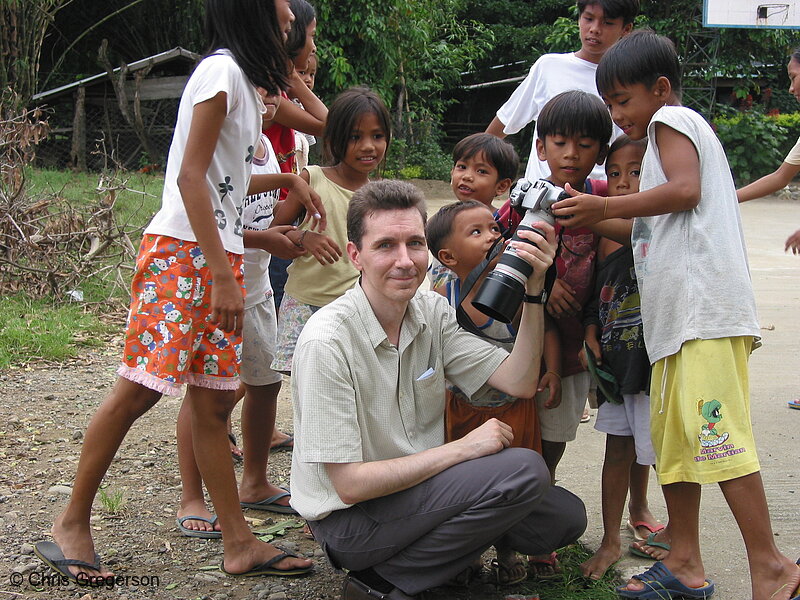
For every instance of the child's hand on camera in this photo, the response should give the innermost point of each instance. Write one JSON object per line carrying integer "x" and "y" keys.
{"x": 581, "y": 210}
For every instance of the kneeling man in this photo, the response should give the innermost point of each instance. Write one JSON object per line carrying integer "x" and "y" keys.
{"x": 386, "y": 498}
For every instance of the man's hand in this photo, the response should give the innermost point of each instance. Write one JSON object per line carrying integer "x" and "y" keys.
{"x": 301, "y": 192}
{"x": 227, "y": 304}
{"x": 793, "y": 242}
{"x": 581, "y": 210}
{"x": 321, "y": 247}
{"x": 539, "y": 254}
{"x": 552, "y": 382}
{"x": 489, "y": 438}
{"x": 562, "y": 302}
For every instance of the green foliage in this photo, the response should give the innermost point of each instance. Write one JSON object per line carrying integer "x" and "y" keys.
{"x": 753, "y": 144}
{"x": 23, "y": 25}
{"x": 791, "y": 122}
{"x": 409, "y": 52}
{"x": 113, "y": 502}
{"x": 36, "y": 329}
{"x": 423, "y": 159}
{"x": 572, "y": 585}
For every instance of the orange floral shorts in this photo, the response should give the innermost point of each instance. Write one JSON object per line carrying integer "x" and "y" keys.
{"x": 169, "y": 341}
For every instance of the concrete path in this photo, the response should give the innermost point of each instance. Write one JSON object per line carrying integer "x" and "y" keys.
{"x": 775, "y": 378}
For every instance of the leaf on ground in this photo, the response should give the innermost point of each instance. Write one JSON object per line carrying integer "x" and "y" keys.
{"x": 209, "y": 568}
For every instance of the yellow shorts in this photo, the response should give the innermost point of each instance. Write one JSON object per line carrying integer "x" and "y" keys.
{"x": 700, "y": 412}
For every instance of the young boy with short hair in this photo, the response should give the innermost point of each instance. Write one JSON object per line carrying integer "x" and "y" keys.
{"x": 484, "y": 167}
{"x": 699, "y": 318}
{"x": 574, "y": 129}
{"x": 601, "y": 23}
{"x": 615, "y": 341}
{"x": 460, "y": 235}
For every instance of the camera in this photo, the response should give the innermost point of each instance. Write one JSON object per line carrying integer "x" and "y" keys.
{"x": 502, "y": 291}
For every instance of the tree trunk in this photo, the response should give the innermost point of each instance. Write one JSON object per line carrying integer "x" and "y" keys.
{"x": 118, "y": 82}
{"x": 78, "y": 151}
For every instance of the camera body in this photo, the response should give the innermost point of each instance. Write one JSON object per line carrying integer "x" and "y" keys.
{"x": 502, "y": 291}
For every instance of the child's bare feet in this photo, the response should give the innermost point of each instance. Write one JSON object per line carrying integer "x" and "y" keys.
{"x": 788, "y": 575}
{"x": 607, "y": 554}
{"x": 197, "y": 509}
{"x": 75, "y": 542}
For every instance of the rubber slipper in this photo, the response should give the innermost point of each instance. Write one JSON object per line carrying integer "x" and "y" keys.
{"x": 504, "y": 575}
{"x": 198, "y": 533}
{"x": 50, "y": 554}
{"x": 271, "y": 504}
{"x": 287, "y": 444}
{"x": 797, "y": 591}
{"x": 267, "y": 568}
{"x": 650, "y": 541}
{"x": 660, "y": 583}
{"x": 236, "y": 457}
{"x": 551, "y": 561}
{"x": 794, "y": 404}
{"x": 633, "y": 527}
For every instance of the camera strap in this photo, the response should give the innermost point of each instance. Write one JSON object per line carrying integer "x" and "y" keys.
{"x": 462, "y": 316}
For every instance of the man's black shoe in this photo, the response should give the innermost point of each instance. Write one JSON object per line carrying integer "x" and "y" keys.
{"x": 353, "y": 589}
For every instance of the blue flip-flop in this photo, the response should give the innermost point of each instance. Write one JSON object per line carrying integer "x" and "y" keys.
{"x": 271, "y": 504}
{"x": 198, "y": 533}
{"x": 661, "y": 584}
{"x": 50, "y": 554}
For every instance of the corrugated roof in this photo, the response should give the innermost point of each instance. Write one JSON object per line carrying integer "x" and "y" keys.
{"x": 156, "y": 59}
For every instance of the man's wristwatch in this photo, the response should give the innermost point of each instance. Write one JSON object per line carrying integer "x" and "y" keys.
{"x": 540, "y": 298}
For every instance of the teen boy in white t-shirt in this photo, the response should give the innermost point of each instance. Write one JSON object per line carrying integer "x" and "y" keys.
{"x": 601, "y": 23}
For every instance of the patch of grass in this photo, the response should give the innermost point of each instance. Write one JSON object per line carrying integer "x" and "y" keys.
{"x": 113, "y": 502}
{"x": 136, "y": 205}
{"x": 36, "y": 329}
{"x": 573, "y": 585}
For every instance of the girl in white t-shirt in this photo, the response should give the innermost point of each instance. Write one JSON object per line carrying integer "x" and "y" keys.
{"x": 260, "y": 384}
{"x": 185, "y": 318}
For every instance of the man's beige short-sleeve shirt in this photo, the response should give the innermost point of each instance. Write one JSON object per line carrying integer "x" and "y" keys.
{"x": 358, "y": 398}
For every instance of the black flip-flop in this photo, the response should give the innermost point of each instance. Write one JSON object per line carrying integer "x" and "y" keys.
{"x": 266, "y": 568}
{"x": 199, "y": 533}
{"x": 51, "y": 555}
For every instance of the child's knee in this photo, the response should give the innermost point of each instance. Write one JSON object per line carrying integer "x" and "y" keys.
{"x": 620, "y": 449}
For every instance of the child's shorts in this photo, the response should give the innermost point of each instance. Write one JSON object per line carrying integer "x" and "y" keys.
{"x": 293, "y": 316}
{"x": 700, "y": 412}
{"x": 461, "y": 417}
{"x": 259, "y": 334}
{"x": 629, "y": 419}
{"x": 169, "y": 340}
{"x": 560, "y": 424}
